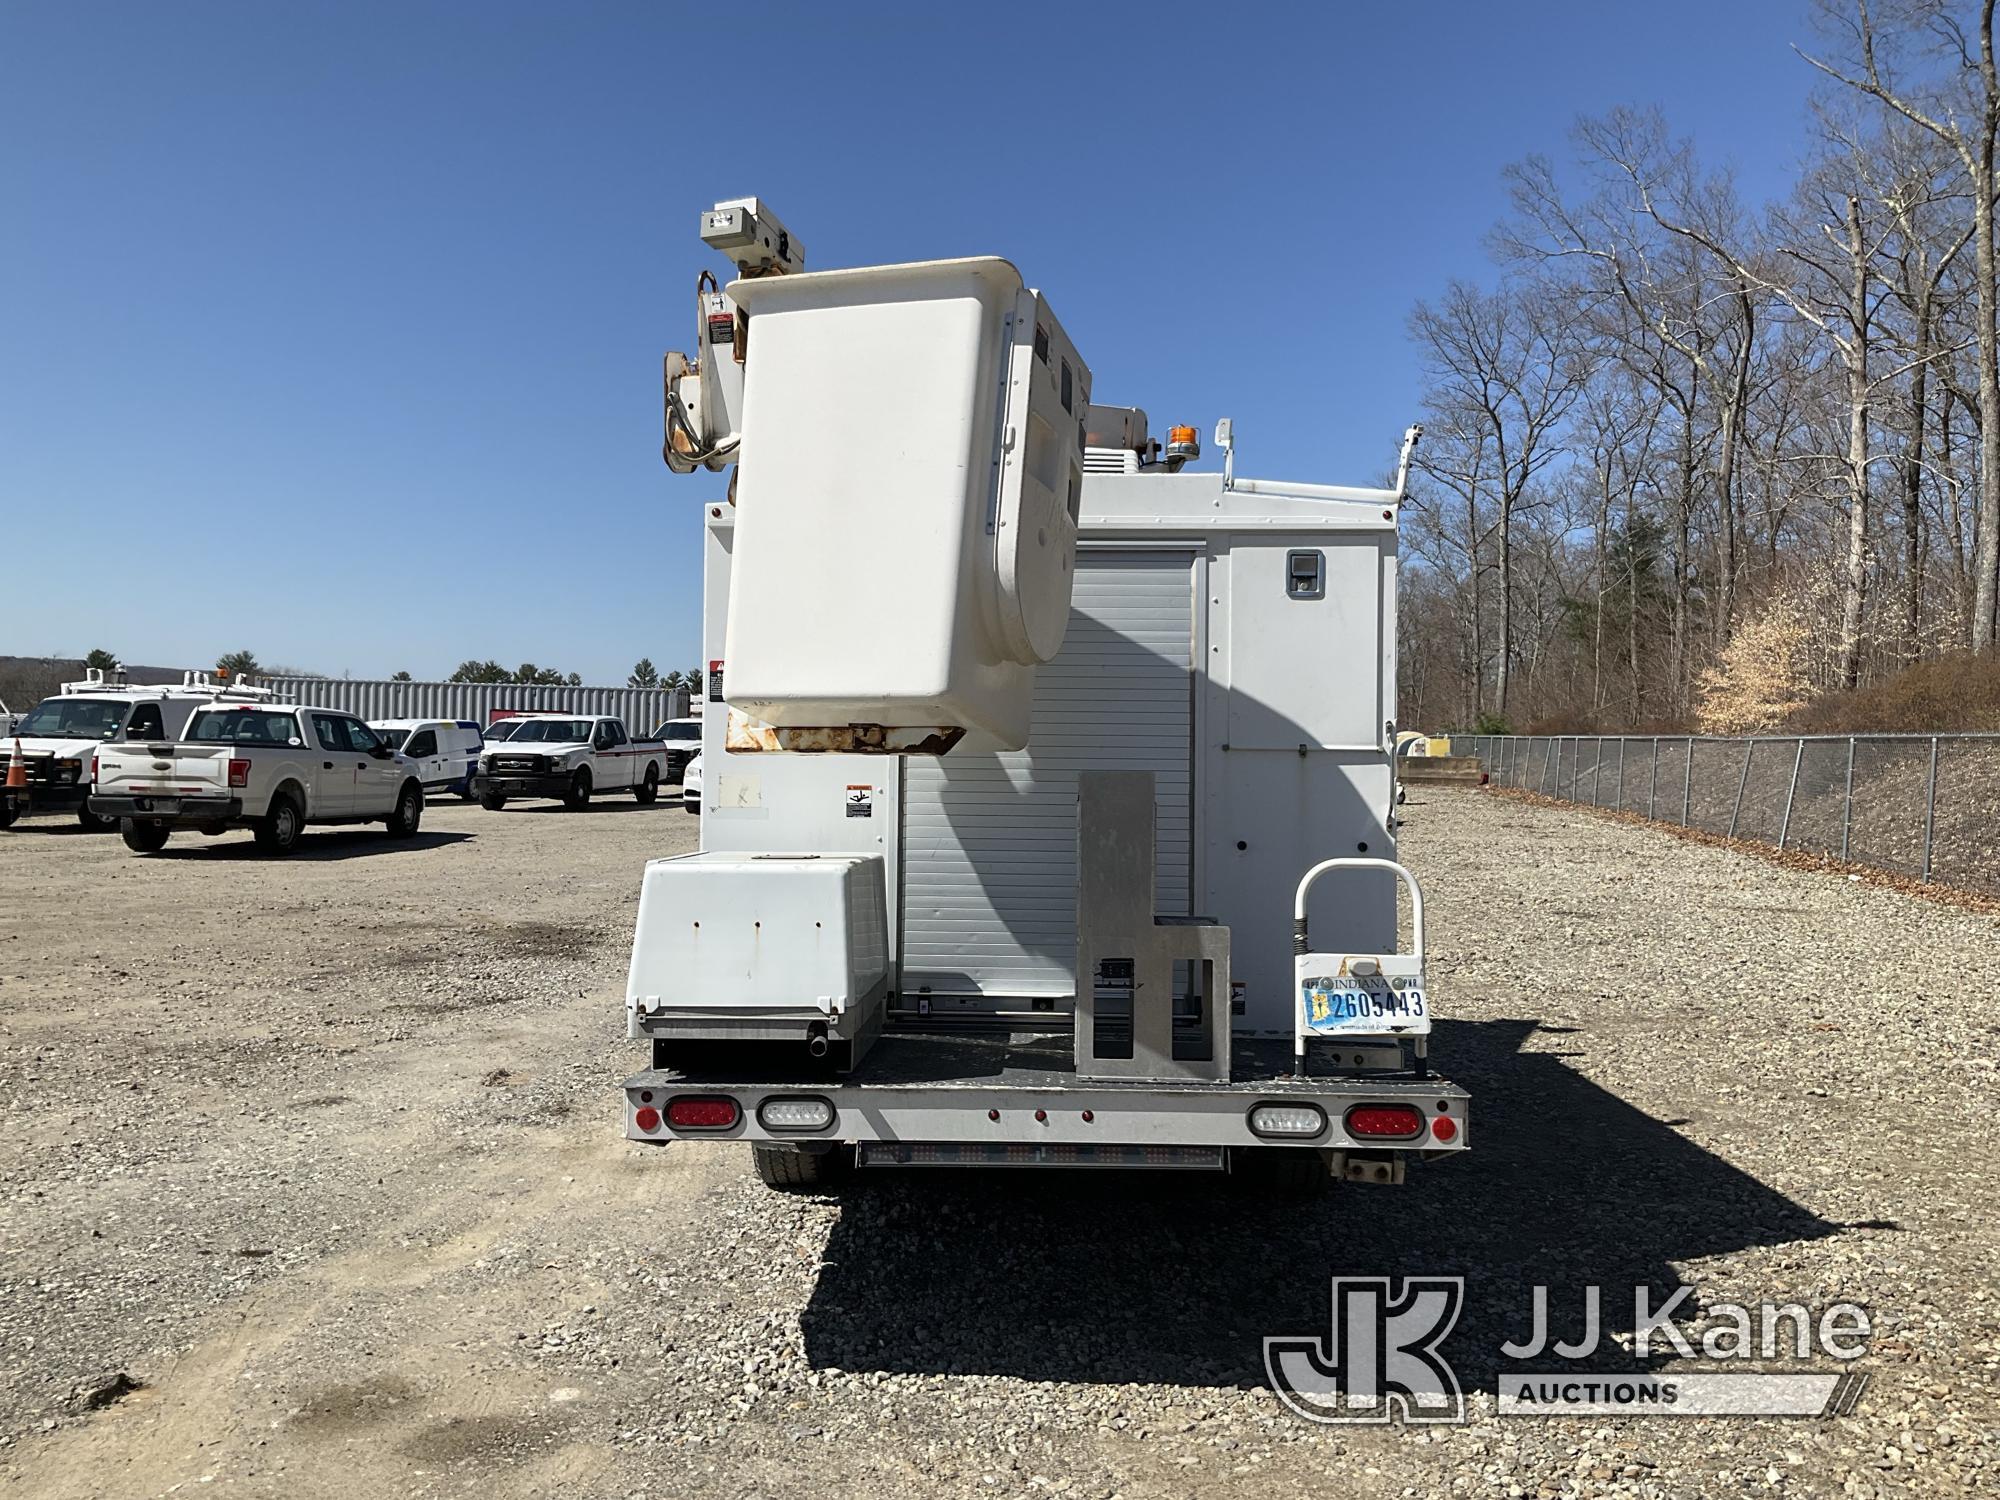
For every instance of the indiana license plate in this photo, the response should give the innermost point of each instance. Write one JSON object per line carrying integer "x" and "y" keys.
{"x": 1369, "y": 1004}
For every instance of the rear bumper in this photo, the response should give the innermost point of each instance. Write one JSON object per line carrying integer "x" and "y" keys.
{"x": 1065, "y": 1115}
{"x": 178, "y": 811}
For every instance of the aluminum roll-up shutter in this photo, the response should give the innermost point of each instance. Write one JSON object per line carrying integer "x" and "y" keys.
{"x": 989, "y": 841}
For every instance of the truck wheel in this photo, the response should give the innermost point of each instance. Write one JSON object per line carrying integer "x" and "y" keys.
{"x": 278, "y": 830}
{"x": 798, "y": 1171}
{"x": 90, "y": 822}
{"x": 577, "y": 798}
{"x": 693, "y": 807}
{"x": 467, "y": 792}
{"x": 409, "y": 812}
{"x": 492, "y": 801}
{"x": 1284, "y": 1171}
{"x": 144, "y": 835}
{"x": 214, "y": 830}
{"x": 7, "y": 814}
{"x": 649, "y": 789}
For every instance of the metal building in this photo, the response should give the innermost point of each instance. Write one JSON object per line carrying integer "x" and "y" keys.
{"x": 642, "y": 709}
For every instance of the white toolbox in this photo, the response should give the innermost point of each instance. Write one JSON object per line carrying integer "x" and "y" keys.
{"x": 780, "y": 947}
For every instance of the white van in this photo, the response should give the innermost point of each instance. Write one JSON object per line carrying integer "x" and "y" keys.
{"x": 446, "y": 751}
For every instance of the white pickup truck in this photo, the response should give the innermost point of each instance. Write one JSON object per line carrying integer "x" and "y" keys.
{"x": 569, "y": 756}
{"x": 271, "y": 768}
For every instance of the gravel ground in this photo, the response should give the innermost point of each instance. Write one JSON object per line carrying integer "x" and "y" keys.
{"x": 312, "y": 1184}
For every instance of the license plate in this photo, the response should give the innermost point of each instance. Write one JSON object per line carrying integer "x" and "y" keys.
{"x": 1370, "y": 1004}
{"x": 158, "y": 804}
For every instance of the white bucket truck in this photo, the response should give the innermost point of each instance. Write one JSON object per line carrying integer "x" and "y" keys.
{"x": 1023, "y": 743}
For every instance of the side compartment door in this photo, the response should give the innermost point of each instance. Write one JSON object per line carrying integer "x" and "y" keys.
{"x": 989, "y": 841}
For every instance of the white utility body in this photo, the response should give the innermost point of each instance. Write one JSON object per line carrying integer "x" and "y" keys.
{"x": 1229, "y": 641}
{"x": 59, "y": 738}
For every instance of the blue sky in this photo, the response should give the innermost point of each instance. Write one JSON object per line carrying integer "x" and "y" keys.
{"x": 333, "y": 331}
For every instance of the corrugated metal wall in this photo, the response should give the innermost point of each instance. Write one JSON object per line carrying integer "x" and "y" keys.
{"x": 642, "y": 709}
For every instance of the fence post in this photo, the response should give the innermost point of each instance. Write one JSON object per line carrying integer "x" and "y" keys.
{"x": 1619, "y": 804}
{"x": 1653, "y": 781}
{"x": 1687, "y": 784}
{"x": 1749, "y": 749}
{"x": 1791, "y": 792}
{"x": 1930, "y": 809}
{"x": 1847, "y": 801}
{"x": 1596, "y": 769}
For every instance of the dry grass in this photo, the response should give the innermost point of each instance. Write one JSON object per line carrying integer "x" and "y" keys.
{"x": 1951, "y": 693}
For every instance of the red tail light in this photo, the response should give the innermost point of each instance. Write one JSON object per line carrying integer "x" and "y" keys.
{"x": 239, "y": 773}
{"x": 93, "y": 770}
{"x": 1384, "y": 1121}
{"x": 692, "y": 1113}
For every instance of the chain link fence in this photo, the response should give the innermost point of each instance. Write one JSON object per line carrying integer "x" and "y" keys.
{"x": 1922, "y": 805}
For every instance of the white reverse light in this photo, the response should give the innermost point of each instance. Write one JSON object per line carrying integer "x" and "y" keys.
{"x": 795, "y": 1114}
{"x": 1288, "y": 1119}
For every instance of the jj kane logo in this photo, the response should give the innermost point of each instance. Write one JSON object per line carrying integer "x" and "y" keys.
{"x": 1383, "y": 1357}
{"x": 1380, "y": 1357}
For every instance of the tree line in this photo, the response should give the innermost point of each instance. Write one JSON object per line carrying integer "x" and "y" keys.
{"x": 239, "y": 664}
{"x": 1695, "y": 461}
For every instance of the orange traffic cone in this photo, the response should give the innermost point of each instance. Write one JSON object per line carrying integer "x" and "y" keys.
{"x": 17, "y": 768}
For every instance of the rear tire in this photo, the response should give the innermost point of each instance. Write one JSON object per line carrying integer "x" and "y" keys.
{"x": 144, "y": 835}
{"x": 90, "y": 822}
{"x": 214, "y": 830}
{"x": 492, "y": 801}
{"x": 799, "y": 1171}
{"x": 577, "y": 798}
{"x": 649, "y": 789}
{"x": 467, "y": 793}
{"x": 278, "y": 830}
{"x": 691, "y": 807}
{"x": 409, "y": 813}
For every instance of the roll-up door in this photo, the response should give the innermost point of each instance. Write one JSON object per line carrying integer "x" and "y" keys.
{"x": 989, "y": 841}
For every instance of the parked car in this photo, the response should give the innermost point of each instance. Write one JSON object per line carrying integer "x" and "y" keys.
{"x": 568, "y": 756}
{"x": 691, "y": 784}
{"x": 682, "y": 737}
{"x": 275, "y": 769}
{"x": 446, "y": 750}
{"x": 59, "y": 735}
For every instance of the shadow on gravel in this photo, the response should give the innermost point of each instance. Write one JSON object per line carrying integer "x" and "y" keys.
{"x": 359, "y": 843}
{"x": 1178, "y": 1279}
{"x": 611, "y": 802}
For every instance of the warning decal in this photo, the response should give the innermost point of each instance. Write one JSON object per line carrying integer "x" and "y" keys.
{"x": 861, "y": 802}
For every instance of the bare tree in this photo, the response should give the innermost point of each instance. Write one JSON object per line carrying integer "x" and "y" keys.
{"x": 1961, "y": 109}
{"x": 1504, "y": 368}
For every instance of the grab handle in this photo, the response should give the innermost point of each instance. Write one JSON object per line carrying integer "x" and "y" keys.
{"x": 1299, "y": 939}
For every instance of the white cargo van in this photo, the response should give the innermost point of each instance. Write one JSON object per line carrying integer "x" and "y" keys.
{"x": 446, "y": 750}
